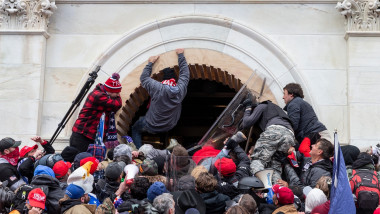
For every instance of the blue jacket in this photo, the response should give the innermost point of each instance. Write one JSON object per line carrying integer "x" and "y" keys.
{"x": 303, "y": 118}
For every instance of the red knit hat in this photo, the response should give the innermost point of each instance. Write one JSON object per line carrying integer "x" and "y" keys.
{"x": 61, "y": 168}
{"x": 94, "y": 166}
{"x": 113, "y": 85}
{"x": 27, "y": 149}
{"x": 37, "y": 198}
{"x": 225, "y": 166}
{"x": 284, "y": 194}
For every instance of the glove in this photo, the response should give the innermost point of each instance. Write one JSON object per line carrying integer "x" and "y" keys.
{"x": 247, "y": 103}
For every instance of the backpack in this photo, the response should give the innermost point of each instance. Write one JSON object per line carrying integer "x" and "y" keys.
{"x": 366, "y": 189}
{"x": 22, "y": 195}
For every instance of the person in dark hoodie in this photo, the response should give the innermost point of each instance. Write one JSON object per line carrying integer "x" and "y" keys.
{"x": 166, "y": 98}
{"x": 206, "y": 185}
{"x": 104, "y": 98}
{"x": 182, "y": 161}
{"x": 106, "y": 188}
{"x": 44, "y": 178}
{"x": 350, "y": 154}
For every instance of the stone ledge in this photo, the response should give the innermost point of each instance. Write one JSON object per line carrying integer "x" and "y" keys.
{"x": 362, "y": 34}
{"x": 195, "y": 2}
{"x": 25, "y": 32}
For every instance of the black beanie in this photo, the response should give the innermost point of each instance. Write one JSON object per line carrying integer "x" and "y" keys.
{"x": 350, "y": 154}
{"x": 168, "y": 74}
{"x": 68, "y": 154}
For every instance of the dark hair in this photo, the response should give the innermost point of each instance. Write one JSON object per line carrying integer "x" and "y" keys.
{"x": 139, "y": 188}
{"x": 110, "y": 154}
{"x": 294, "y": 89}
{"x": 326, "y": 147}
{"x": 206, "y": 182}
{"x": 248, "y": 203}
{"x": 169, "y": 73}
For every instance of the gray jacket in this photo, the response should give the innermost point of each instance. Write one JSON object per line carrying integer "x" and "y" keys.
{"x": 165, "y": 105}
{"x": 303, "y": 118}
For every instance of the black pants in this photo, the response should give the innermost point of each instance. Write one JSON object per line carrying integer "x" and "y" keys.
{"x": 80, "y": 142}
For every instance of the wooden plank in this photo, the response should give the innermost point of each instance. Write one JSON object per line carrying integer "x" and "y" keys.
{"x": 200, "y": 71}
{"x": 194, "y": 72}
{"x": 222, "y": 77}
{"x": 207, "y": 71}
{"x": 229, "y": 80}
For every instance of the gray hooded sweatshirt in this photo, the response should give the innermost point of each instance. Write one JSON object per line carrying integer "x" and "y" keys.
{"x": 165, "y": 105}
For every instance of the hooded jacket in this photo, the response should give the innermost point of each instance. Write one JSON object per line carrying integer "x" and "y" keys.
{"x": 165, "y": 105}
{"x": 53, "y": 189}
{"x": 303, "y": 118}
{"x": 310, "y": 176}
{"x": 215, "y": 202}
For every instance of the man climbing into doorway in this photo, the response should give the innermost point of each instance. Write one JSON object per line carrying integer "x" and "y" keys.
{"x": 104, "y": 98}
{"x": 166, "y": 98}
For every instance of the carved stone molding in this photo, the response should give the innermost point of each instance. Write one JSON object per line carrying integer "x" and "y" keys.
{"x": 361, "y": 15}
{"x": 25, "y": 14}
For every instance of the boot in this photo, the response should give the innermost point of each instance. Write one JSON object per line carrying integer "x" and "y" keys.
{"x": 172, "y": 144}
{"x": 239, "y": 137}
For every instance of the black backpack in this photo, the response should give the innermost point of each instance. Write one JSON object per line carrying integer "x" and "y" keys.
{"x": 366, "y": 189}
{"x": 22, "y": 195}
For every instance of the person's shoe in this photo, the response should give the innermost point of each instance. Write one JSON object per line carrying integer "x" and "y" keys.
{"x": 239, "y": 137}
{"x": 172, "y": 144}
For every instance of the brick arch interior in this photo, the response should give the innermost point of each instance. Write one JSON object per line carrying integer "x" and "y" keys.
{"x": 140, "y": 95}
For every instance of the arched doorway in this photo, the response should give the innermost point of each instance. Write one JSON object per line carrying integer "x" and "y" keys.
{"x": 210, "y": 90}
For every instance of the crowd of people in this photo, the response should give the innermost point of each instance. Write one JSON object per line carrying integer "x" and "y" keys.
{"x": 91, "y": 177}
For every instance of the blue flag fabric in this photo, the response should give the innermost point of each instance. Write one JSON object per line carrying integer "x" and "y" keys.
{"x": 341, "y": 199}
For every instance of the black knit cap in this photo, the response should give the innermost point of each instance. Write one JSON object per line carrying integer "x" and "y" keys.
{"x": 68, "y": 154}
{"x": 168, "y": 73}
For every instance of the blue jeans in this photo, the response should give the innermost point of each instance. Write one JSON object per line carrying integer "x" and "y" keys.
{"x": 137, "y": 129}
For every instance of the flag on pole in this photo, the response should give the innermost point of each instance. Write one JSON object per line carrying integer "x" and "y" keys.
{"x": 341, "y": 199}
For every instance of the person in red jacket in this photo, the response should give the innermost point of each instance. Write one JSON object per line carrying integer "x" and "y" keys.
{"x": 104, "y": 98}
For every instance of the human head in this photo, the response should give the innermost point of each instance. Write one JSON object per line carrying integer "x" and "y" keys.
{"x": 324, "y": 184}
{"x": 156, "y": 189}
{"x": 186, "y": 182}
{"x": 120, "y": 152}
{"x": 205, "y": 182}
{"x": 323, "y": 149}
{"x": 78, "y": 158}
{"x": 27, "y": 151}
{"x": 168, "y": 74}
{"x": 8, "y": 145}
{"x": 294, "y": 89}
{"x": 164, "y": 203}
{"x": 185, "y": 200}
{"x": 237, "y": 209}
{"x": 314, "y": 198}
{"x": 69, "y": 153}
{"x": 180, "y": 156}
{"x": 61, "y": 169}
{"x": 37, "y": 198}
{"x": 225, "y": 166}
{"x": 350, "y": 154}
{"x": 198, "y": 170}
{"x": 282, "y": 195}
{"x": 114, "y": 172}
{"x": 82, "y": 177}
{"x": 139, "y": 188}
{"x": 248, "y": 203}
{"x": 112, "y": 85}
{"x": 44, "y": 170}
{"x": 148, "y": 167}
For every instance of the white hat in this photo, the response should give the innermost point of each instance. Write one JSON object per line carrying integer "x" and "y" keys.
{"x": 315, "y": 198}
{"x": 82, "y": 177}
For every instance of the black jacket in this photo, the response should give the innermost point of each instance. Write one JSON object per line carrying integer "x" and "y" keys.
{"x": 54, "y": 189}
{"x": 9, "y": 175}
{"x": 106, "y": 189}
{"x": 303, "y": 118}
{"x": 215, "y": 202}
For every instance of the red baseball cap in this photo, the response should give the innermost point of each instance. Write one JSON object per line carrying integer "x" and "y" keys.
{"x": 61, "y": 168}
{"x": 284, "y": 194}
{"x": 37, "y": 198}
{"x": 225, "y": 166}
{"x": 27, "y": 149}
{"x": 94, "y": 166}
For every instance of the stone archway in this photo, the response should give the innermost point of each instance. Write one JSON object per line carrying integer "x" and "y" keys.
{"x": 203, "y": 72}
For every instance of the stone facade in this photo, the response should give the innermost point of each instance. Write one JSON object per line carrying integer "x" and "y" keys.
{"x": 331, "y": 48}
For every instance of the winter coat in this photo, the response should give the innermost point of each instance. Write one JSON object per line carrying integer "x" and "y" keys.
{"x": 215, "y": 202}
{"x": 74, "y": 206}
{"x": 53, "y": 189}
{"x": 6, "y": 198}
{"x": 106, "y": 189}
{"x": 186, "y": 170}
{"x": 9, "y": 175}
{"x": 321, "y": 168}
{"x": 286, "y": 209}
{"x": 303, "y": 118}
{"x": 97, "y": 102}
{"x": 165, "y": 105}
